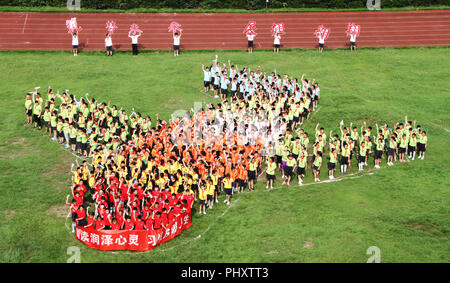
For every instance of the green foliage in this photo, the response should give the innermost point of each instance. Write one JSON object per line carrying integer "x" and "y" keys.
{"x": 220, "y": 4}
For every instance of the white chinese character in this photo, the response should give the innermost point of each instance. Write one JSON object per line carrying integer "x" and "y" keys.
{"x": 84, "y": 236}
{"x": 186, "y": 220}
{"x": 107, "y": 240}
{"x": 134, "y": 240}
{"x": 78, "y": 232}
{"x": 121, "y": 240}
{"x": 167, "y": 233}
{"x": 174, "y": 228}
{"x": 95, "y": 239}
{"x": 151, "y": 240}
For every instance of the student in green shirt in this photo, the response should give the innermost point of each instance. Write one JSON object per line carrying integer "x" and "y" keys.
{"x": 362, "y": 155}
{"x": 29, "y": 109}
{"x": 402, "y": 148}
{"x": 392, "y": 147}
{"x": 316, "y": 166}
{"x": 302, "y": 160}
{"x": 270, "y": 172}
{"x": 379, "y": 151}
{"x": 37, "y": 112}
{"x": 412, "y": 146}
{"x": 290, "y": 164}
{"x": 422, "y": 144}
{"x": 53, "y": 124}
{"x": 345, "y": 157}
{"x": 46, "y": 118}
{"x": 332, "y": 163}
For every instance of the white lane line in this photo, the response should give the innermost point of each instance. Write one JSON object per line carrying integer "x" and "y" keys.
{"x": 187, "y": 241}
{"x": 25, "y": 23}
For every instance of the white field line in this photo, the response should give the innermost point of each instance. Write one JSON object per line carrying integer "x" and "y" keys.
{"x": 25, "y": 23}
{"x": 187, "y": 241}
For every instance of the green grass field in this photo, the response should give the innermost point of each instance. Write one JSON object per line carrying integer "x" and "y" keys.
{"x": 403, "y": 210}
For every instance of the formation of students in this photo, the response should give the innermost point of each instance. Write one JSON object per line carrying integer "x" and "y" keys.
{"x": 145, "y": 172}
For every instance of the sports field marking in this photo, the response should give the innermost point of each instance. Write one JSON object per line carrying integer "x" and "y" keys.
{"x": 187, "y": 241}
{"x": 25, "y": 23}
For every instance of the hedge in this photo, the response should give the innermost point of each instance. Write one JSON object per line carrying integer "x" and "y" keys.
{"x": 216, "y": 4}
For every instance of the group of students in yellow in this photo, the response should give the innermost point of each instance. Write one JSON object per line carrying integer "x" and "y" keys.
{"x": 142, "y": 169}
{"x": 404, "y": 140}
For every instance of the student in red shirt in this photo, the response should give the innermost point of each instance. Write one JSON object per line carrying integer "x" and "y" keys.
{"x": 128, "y": 225}
{"x": 119, "y": 218}
{"x": 91, "y": 220}
{"x": 115, "y": 225}
{"x": 81, "y": 216}
{"x": 99, "y": 223}
{"x": 73, "y": 209}
{"x": 177, "y": 209}
{"x": 164, "y": 216}
{"x": 149, "y": 223}
{"x": 140, "y": 225}
{"x": 157, "y": 222}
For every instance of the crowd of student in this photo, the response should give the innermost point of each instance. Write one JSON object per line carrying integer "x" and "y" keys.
{"x": 144, "y": 172}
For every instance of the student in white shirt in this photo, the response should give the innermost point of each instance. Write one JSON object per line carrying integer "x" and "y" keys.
{"x": 134, "y": 42}
{"x": 108, "y": 44}
{"x": 321, "y": 43}
{"x": 276, "y": 43}
{"x": 176, "y": 43}
{"x": 353, "y": 41}
{"x": 250, "y": 38}
{"x": 75, "y": 43}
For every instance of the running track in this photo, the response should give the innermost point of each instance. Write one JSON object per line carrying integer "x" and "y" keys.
{"x": 47, "y": 31}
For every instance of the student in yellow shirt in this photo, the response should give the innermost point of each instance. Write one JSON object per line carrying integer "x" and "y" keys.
{"x": 302, "y": 160}
{"x": 202, "y": 195}
{"x": 270, "y": 172}
{"x": 210, "y": 189}
{"x": 227, "y": 185}
{"x": 316, "y": 166}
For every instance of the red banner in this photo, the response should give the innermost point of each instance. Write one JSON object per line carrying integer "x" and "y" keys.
{"x": 135, "y": 240}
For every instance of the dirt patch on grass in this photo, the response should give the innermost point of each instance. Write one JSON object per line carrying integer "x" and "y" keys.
{"x": 309, "y": 243}
{"x": 59, "y": 210}
{"x": 9, "y": 214}
{"x": 18, "y": 141}
{"x": 272, "y": 252}
{"x": 432, "y": 229}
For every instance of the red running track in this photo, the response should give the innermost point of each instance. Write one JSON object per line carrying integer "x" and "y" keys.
{"x": 47, "y": 31}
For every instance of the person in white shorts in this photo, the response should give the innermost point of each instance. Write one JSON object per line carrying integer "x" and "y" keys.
{"x": 75, "y": 43}
{"x": 108, "y": 44}
{"x": 276, "y": 43}
{"x": 176, "y": 43}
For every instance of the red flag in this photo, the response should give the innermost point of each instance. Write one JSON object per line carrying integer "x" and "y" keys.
{"x": 111, "y": 27}
{"x": 322, "y": 32}
{"x": 250, "y": 28}
{"x": 72, "y": 25}
{"x": 174, "y": 27}
{"x": 353, "y": 29}
{"x": 278, "y": 29}
{"x": 134, "y": 28}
